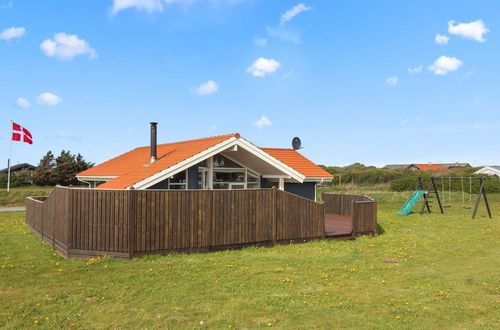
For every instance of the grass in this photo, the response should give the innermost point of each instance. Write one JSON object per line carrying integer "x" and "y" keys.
{"x": 431, "y": 271}
{"x": 17, "y": 196}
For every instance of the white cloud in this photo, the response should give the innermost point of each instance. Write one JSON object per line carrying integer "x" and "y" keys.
{"x": 261, "y": 67}
{"x": 392, "y": 81}
{"x": 12, "y": 32}
{"x": 441, "y": 39}
{"x": 473, "y": 30}
{"x": 444, "y": 64}
{"x": 281, "y": 32}
{"x": 150, "y": 6}
{"x": 141, "y": 5}
{"x": 262, "y": 122}
{"x": 207, "y": 88}
{"x": 66, "y": 46}
{"x": 467, "y": 75}
{"x": 7, "y": 5}
{"x": 259, "y": 41}
{"x": 290, "y": 14}
{"x": 414, "y": 120}
{"x": 21, "y": 102}
{"x": 48, "y": 99}
{"x": 416, "y": 69}
{"x": 286, "y": 75}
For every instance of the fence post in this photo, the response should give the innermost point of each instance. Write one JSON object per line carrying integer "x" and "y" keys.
{"x": 275, "y": 215}
{"x": 69, "y": 205}
{"x": 56, "y": 192}
{"x": 132, "y": 206}
{"x": 323, "y": 208}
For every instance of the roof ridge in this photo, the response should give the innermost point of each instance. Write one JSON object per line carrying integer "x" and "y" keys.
{"x": 278, "y": 148}
{"x": 237, "y": 135}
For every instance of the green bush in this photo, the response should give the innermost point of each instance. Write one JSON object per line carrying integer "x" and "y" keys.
{"x": 364, "y": 175}
{"x": 409, "y": 183}
{"x": 19, "y": 179}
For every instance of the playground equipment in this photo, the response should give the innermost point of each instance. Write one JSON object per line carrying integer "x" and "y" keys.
{"x": 432, "y": 192}
{"x": 410, "y": 203}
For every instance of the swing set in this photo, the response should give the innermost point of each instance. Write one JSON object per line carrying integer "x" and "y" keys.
{"x": 433, "y": 193}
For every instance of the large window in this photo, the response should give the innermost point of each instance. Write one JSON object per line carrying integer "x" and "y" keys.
{"x": 178, "y": 181}
{"x": 253, "y": 180}
{"x": 227, "y": 174}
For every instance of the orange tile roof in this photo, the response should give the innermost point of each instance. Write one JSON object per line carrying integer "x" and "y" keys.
{"x": 430, "y": 167}
{"x": 134, "y": 166}
{"x": 298, "y": 162}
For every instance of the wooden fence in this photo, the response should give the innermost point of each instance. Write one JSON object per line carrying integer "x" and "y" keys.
{"x": 128, "y": 223}
{"x": 362, "y": 210}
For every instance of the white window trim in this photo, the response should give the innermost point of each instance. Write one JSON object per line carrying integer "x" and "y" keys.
{"x": 186, "y": 184}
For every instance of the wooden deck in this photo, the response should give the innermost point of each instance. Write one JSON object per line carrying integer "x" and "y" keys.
{"x": 337, "y": 225}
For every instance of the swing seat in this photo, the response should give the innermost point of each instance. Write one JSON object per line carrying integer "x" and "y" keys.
{"x": 446, "y": 206}
{"x": 466, "y": 207}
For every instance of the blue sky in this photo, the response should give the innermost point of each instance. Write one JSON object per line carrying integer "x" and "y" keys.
{"x": 89, "y": 76}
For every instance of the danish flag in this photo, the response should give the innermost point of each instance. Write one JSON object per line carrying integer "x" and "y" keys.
{"x": 20, "y": 133}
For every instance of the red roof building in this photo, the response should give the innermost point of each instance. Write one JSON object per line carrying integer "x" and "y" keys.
{"x": 220, "y": 162}
{"x": 428, "y": 167}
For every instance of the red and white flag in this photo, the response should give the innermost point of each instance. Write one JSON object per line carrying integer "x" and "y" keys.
{"x": 21, "y": 134}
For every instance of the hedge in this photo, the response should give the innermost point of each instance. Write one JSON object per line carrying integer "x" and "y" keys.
{"x": 409, "y": 183}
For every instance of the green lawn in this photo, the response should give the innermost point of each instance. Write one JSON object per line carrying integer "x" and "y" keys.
{"x": 431, "y": 271}
{"x": 17, "y": 196}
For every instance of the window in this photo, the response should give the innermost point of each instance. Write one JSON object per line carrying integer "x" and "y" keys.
{"x": 178, "y": 181}
{"x": 253, "y": 180}
{"x": 228, "y": 176}
{"x": 224, "y": 162}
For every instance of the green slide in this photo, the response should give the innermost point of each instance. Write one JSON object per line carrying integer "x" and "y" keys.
{"x": 410, "y": 203}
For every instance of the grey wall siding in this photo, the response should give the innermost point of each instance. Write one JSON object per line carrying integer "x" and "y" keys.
{"x": 193, "y": 177}
{"x": 192, "y": 180}
{"x": 306, "y": 189}
{"x": 160, "y": 185}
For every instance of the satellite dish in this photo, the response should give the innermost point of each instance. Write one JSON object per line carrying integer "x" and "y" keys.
{"x": 296, "y": 144}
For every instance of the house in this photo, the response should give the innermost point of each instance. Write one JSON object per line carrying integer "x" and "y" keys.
{"x": 397, "y": 166}
{"x": 456, "y": 165}
{"x": 425, "y": 167}
{"x": 19, "y": 168}
{"x": 220, "y": 162}
{"x": 489, "y": 170}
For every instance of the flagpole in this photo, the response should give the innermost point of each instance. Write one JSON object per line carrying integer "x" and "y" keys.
{"x": 10, "y": 157}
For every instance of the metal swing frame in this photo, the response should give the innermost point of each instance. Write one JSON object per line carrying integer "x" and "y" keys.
{"x": 432, "y": 189}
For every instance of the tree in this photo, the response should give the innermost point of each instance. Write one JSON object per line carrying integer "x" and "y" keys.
{"x": 61, "y": 170}
{"x": 44, "y": 175}
{"x": 67, "y": 166}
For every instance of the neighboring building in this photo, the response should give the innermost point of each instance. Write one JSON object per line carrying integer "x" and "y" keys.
{"x": 220, "y": 162}
{"x": 489, "y": 170}
{"x": 397, "y": 166}
{"x": 426, "y": 167}
{"x": 457, "y": 165}
{"x": 19, "y": 168}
